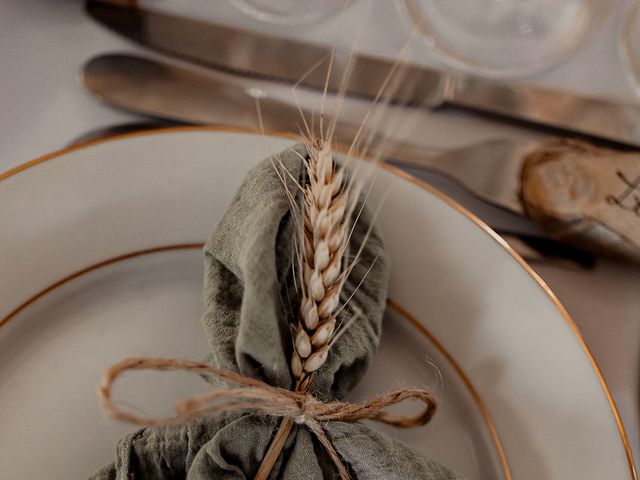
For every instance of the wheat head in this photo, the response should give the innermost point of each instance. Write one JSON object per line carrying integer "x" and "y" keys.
{"x": 321, "y": 248}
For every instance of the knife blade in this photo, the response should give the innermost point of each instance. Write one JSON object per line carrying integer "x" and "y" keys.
{"x": 254, "y": 54}
{"x": 172, "y": 92}
{"x": 533, "y": 249}
{"x": 577, "y": 193}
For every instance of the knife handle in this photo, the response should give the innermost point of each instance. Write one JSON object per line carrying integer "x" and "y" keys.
{"x": 586, "y": 196}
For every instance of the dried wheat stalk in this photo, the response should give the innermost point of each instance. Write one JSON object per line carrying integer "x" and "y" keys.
{"x": 327, "y": 206}
{"x": 322, "y": 245}
{"x": 322, "y": 240}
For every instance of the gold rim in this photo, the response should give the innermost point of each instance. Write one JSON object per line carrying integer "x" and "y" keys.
{"x": 415, "y": 181}
{"x": 90, "y": 268}
{"x": 419, "y": 326}
{"x": 404, "y": 313}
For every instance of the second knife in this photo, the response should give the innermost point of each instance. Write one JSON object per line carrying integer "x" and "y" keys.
{"x": 578, "y": 193}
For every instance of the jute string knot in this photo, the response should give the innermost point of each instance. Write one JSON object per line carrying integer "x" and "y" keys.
{"x": 260, "y": 397}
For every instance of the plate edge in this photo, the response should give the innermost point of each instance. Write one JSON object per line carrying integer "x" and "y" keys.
{"x": 406, "y": 176}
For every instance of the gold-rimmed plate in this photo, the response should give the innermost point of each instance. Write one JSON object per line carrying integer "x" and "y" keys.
{"x": 100, "y": 260}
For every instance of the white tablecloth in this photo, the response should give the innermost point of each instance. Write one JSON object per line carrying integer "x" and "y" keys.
{"x": 44, "y": 43}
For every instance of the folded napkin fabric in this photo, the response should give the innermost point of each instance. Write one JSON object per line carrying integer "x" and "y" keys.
{"x": 250, "y": 303}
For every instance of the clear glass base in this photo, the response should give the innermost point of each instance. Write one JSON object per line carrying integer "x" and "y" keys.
{"x": 289, "y": 12}
{"x": 506, "y": 37}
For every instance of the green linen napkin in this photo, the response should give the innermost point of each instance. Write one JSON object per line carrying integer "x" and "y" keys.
{"x": 250, "y": 302}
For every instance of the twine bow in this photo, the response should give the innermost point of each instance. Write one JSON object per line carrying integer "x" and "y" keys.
{"x": 259, "y": 396}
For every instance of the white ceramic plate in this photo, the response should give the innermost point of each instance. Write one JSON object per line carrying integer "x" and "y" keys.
{"x": 100, "y": 260}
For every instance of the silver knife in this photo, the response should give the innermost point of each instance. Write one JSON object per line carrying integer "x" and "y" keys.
{"x": 254, "y": 54}
{"x": 580, "y": 194}
{"x": 533, "y": 249}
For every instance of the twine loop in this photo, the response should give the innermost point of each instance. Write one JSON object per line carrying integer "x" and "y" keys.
{"x": 258, "y": 396}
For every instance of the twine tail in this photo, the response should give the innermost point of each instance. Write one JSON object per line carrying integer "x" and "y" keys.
{"x": 317, "y": 429}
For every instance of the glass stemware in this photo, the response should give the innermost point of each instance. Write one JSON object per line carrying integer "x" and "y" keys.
{"x": 502, "y": 38}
